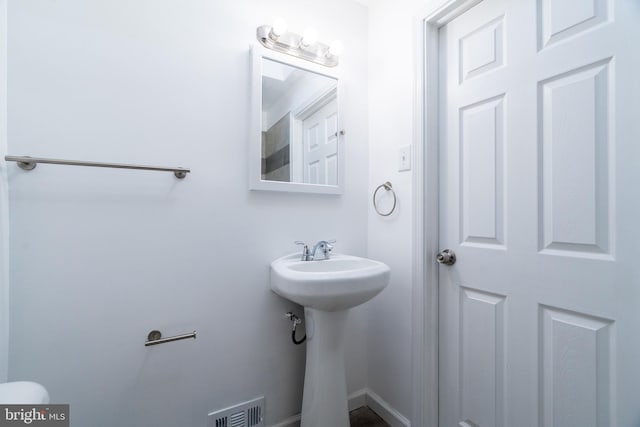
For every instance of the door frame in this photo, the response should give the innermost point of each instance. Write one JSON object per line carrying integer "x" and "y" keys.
{"x": 426, "y": 209}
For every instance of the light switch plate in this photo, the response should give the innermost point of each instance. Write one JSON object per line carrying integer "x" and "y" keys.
{"x": 404, "y": 158}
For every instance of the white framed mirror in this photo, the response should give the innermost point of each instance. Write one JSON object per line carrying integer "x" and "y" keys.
{"x": 296, "y": 135}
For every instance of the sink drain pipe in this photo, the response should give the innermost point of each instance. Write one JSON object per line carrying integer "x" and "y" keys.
{"x": 295, "y": 322}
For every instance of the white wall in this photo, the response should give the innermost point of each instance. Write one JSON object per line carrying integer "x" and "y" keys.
{"x": 101, "y": 257}
{"x": 4, "y": 201}
{"x": 393, "y": 43}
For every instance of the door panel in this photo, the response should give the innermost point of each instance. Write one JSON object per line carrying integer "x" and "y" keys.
{"x": 481, "y": 171}
{"x": 559, "y": 19}
{"x": 482, "y": 364}
{"x": 575, "y": 368}
{"x": 482, "y": 50}
{"x": 539, "y": 318}
{"x": 574, "y": 139}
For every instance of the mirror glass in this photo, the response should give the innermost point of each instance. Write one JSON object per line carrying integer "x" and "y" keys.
{"x": 299, "y": 125}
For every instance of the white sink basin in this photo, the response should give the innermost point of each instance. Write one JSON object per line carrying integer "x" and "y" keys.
{"x": 334, "y": 284}
{"x": 25, "y": 392}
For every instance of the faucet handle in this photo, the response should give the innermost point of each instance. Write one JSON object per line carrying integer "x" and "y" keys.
{"x": 330, "y": 244}
{"x": 325, "y": 247}
{"x": 305, "y": 250}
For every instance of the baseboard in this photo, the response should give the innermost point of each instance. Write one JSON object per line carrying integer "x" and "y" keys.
{"x": 293, "y": 421}
{"x": 358, "y": 399}
{"x": 386, "y": 411}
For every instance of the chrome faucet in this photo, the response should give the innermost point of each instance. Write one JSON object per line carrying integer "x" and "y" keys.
{"x": 323, "y": 246}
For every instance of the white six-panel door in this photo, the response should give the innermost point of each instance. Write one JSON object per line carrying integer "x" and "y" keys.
{"x": 539, "y": 320}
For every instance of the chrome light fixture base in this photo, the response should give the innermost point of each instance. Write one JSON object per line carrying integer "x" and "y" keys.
{"x": 292, "y": 44}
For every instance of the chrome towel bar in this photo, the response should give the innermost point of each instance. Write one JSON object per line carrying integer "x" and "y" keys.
{"x": 29, "y": 163}
{"x": 155, "y": 338}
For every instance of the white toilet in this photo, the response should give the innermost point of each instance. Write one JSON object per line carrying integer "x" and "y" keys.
{"x": 23, "y": 392}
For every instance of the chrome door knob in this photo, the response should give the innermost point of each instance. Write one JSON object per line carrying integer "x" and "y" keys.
{"x": 446, "y": 257}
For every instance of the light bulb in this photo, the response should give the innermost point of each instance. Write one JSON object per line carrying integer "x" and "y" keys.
{"x": 336, "y": 48}
{"x": 279, "y": 27}
{"x": 310, "y": 36}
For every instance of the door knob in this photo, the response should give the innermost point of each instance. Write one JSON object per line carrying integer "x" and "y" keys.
{"x": 446, "y": 257}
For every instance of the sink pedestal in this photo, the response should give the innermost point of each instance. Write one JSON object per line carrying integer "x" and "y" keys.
{"x": 324, "y": 402}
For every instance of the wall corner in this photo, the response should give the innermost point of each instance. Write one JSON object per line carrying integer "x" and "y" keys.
{"x": 4, "y": 201}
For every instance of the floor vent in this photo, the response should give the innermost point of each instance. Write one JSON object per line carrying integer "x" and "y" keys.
{"x": 247, "y": 414}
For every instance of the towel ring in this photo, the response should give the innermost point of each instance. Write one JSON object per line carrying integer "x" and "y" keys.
{"x": 387, "y": 186}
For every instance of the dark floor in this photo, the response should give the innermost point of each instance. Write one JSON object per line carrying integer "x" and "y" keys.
{"x": 365, "y": 417}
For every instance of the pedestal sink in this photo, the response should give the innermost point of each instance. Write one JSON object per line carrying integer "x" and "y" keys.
{"x": 327, "y": 289}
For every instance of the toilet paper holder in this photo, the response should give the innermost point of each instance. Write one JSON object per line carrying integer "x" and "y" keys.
{"x": 155, "y": 338}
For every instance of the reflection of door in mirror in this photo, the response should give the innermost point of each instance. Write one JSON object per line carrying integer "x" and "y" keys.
{"x": 299, "y": 125}
{"x": 320, "y": 145}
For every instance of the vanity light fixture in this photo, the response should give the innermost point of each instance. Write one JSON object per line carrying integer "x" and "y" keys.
{"x": 276, "y": 37}
{"x": 310, "y": 37}
{"x": 278, "y": 28}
